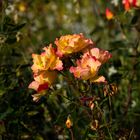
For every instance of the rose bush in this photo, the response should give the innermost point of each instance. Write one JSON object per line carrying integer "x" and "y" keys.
{"x": 87, "y": 67}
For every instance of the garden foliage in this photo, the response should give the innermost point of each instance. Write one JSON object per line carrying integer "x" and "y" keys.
{"x": 69, "y": 70}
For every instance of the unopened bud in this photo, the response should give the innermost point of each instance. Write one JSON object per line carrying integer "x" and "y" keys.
{"x": 69, "y": 122}
{"x": 95, "y": 125}
{"x": 91, "y": 105}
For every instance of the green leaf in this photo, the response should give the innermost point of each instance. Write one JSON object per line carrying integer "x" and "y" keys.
{"x": 1, "y": 92}
{"x": 18, "y": 27}
{"x": 86, "y": 134}
{"x": 6, "y": 113}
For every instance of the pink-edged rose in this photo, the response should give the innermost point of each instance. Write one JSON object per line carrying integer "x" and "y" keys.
{"x": 101, "y": 55}
{"x": 87, "y": 69}
{"x": 43, "y": 80}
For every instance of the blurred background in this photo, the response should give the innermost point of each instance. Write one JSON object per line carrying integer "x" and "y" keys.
{"x": 26, "y": 26}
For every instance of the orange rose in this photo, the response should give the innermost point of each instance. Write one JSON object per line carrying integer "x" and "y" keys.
{"x": 102, "y": 55}
{"x": 47, "y": 60}
{"x": 87, "y": 69}
{"x": 43, "y": 81}
{"x": 71, "y": 43}
{"x": 109, "y": 14}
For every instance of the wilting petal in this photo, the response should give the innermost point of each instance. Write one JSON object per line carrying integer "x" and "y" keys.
{"x": 98, "y": 79}
{"x": 37, "y": 96}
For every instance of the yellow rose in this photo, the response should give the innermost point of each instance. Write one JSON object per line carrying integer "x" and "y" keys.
{"x": 71, "y": 43}
{"x": 48, "y": 60}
